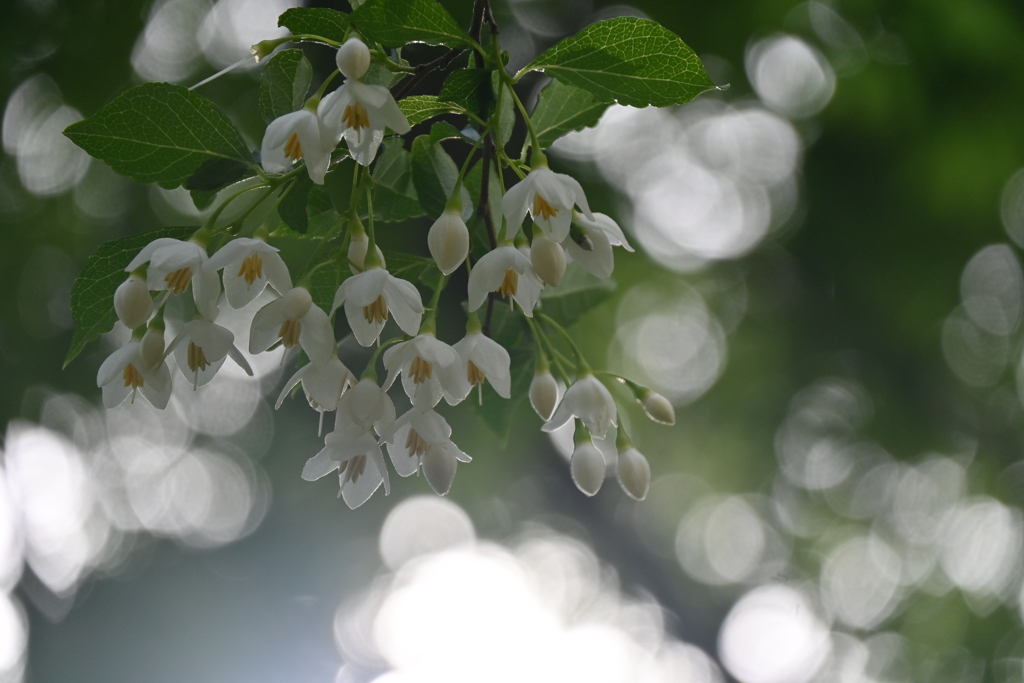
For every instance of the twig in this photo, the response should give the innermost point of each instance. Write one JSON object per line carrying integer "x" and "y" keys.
{"x": 423, "y": 70}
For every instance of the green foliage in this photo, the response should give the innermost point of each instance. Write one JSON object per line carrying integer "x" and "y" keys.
{"x": 216, "y": 174}
{"x": 393, "y": 23}
{"x": 326, "y": 277}
{"x": 470, "y": 89}
{"x": 159, "y": 133}
{"x": 316, "y": 21}
{"x": 433, "y": 173}
{"x": 627, "y": 60}
{"x": 577, "y": 295}
{"x": 292, "y": 208}
{"x": 92, "y": 296}
{"x": 420, "y": 108}
{"x": 395, "y": 197}
{"x": 284, "y": 82}
{"x": 561, "y": 109}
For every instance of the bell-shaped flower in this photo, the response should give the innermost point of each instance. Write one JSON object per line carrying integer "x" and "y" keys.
{"x": 593, "y": 248}
{"x": 548, "y": 197}
{"x": 481, "y": 358}
{"x": 295, "y": 320}
{"x": 507, "y": 271}
{"x": 658, "y": 408}
{"x": 544, "y": 394}
{"x": 132, "y": 302}
{"x": 295, "y": 136}
{"x": 448, "y": 240}
{"x": 424, "y": 440}
{"x": 357, "y": 248}
{"x": 590, "y": 401}
{"x": 370, "y": 295}
{"x": 323, "y": 386}
{"x": 125, "y": 372}
{"x": 201, "y": 348}
{"x": 548, "y": 260}
{"x": 357, "y": 111}
{"x": 430, "y": 369}
{"x": 359, "y": 461}
{"x": 364, "y": 407}
{"x": 634, "y": 473}
{"x": 174, "y": 265}
{"x": 587, "y": 467}
{"x": 249, "y": 264}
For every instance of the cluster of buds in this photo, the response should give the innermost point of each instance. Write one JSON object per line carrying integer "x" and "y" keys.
{"x": 518, "y": 268}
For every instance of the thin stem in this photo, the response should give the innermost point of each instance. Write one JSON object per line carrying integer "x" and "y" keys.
{"x": 534, "y": 140}
{"x": 581, "y": 362}
{"x": 422, "y": 70}
{"x": 543, "y": 340}
{"x": 212, "y": 220}
{"x": 314, "y": 38}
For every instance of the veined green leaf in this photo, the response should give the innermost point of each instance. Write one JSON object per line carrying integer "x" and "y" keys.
{"x": 562, "y": 108}
{"x": 159, "y": 133}
{"x": 393, "y": 23}
{"x": 627, "y": 60}
{"x": 326, "y": 277}
{"x": 420, "y": 108}
{"x": 394, "y": 194}
{"x": 578, "y": 293}
{"x": 316, "y": 21}
{"x": 284, "y": 83}
{"x": 92, "y": 296}
{"x": 292, "y": 208}
{"x": 434, "y": 175}
{"x": 471, "y": 89}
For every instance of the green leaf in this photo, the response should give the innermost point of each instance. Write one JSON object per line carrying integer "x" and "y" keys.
{"x": 406, "y": 266}
{"x": 578, "y": 293}
{"x": 203, "y": 198}
{"x": 320, "y": 213}
{"x": 326, "y": 277}
{"x": 562, "y": 108}
{"x": 473, "y": 184}
{"x": 216, "y": 174}
{"x": 420, "y": 108}
{"x": 92, "y": 296}
{"x": 379, "y": 74}
{"x": 159, "y": 133}
{"x": 627, "y": 60}
{"x": 284, "y": 83}
{"x": 326, "y": 23}
{"x": 508, "y": 116}
{"x": 338, "y": 183}
{"x": 497, "y": 412}
{"x": 471, "y": 89}
{"x": 442, "y": 130}
{"x": 434, "y": 175}
{"x": 292, "y": 208}
{"x": 394, "y": 194}
{"x": 393, "y": 23}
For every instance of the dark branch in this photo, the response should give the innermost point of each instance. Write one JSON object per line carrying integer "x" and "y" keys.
{"x": 423, "y": 70}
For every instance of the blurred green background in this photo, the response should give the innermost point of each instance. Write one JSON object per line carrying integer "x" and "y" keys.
{"x": 827, "y": 285}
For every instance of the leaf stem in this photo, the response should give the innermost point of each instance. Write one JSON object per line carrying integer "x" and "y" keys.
{"x": 581, "y": 363}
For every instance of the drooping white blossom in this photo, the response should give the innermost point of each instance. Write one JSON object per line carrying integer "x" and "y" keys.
{"x": 295, "y": 136}
{"x": 544, "y": 394}
{"x": 548, "y": 197}
{"x": 201, "y": 348}
{"x": 548, "y": 260}
{"x": 125, "y": 372}
{"x": 481, "y": 358}
{"x": 357, "y": 248}
{"x": 132, "y": 302}
{"x": 448, "y": 241}
{"x": 368, "y": 298}
{"x": 295, "y": 320}
{"x": 659, "y": 409}
{"x": 602, "y": 233}
{"x": 507, "y": 271}
{"x": 176, "y": 264}
{"x": 587, "y": 466}
{"x": 322, "y": 385}
{"x": 249, "y": 265}
{"x": 634, "y": 473}
{"x": 590, "y": 401}
{"x": 424, "y": 440}
{"x": 430, "y": 370}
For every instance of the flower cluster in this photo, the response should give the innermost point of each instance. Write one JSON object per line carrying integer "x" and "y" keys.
{"x": 520, "y": 265}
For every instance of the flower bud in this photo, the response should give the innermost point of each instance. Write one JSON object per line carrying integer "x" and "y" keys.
{"x": 634, "y": 473}
{"x": 548, "y": 259}
{"x": 357, "y": 248}
{"x": 544, "y": 395}
{"x": 659, "y": 409}
{"x": 353, "y": 58}
{"x": 153, "y": 347}
{"x": 587, "y": 467}
{"x": 448, "y": 241}
{"x": 439, "y": 469}
{"x": 297, "y": 303}
{"x": 132, "y": 302}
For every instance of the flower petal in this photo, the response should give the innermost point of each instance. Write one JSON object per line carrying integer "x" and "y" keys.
{"x": 321, "y": 464}
{"x": 266, "y": 325}
{"x": 316, "y": 336}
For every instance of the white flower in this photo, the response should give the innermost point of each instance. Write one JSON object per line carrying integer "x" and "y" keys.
{"x": 360, "y": 112}
{"x": 357, "y": 248}
{"x": 424, "y": 439}
{"x": 658, "y": 408}
{"x": 366, "y": 406}
{"x": 294, "y": 320}
{"x": 153, "y": 347}
{"x": 353, "y": 58}
{"x": 602, "y": 233}
{"x": 297, "y": 136}
{"x": 548, "y": 260}
{"x": 200, "y": 349}
{"x": 249, "y": 264}
{"x": 588, "y": 400}
{"x": 369, "y": 296}
{"x": 323, "y": 386}
{"x": 430, "y": 369}
{"x": 587, "y": 467}
{"x": 483, "y": 358}
{"x": 349, "y": 453}
{"x": 448, "y": 241}
{"x": 549, "y": 197}
{"x": 634, "y": 473}
{"x": 173, "y": 265}
{"x": 126, "y": 372}
{"x": 132, "y": 302}
{"x": 544, "y": 394}
{"x": 507, "y": 270}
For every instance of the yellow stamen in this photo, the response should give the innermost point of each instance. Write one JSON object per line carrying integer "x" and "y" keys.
{"x": 420, "y": 370}
{"x": 542, "y": 208}
{"x": 293, "y": 148}
{"x": 377, "y": 312}
{"x": 289, "y": 333}
{"x": 132, "y": 377}
{"x": 415, "y": 444}
{"x": 196, "y": 358}
{"x": 252, "y": 269}
{"x": 178, "y": 281}
{"x": 474, "y": 374}
{"x": 352, "y": 469}
{"x": 355, "y": 116}
{"x": 510, "y": 285}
